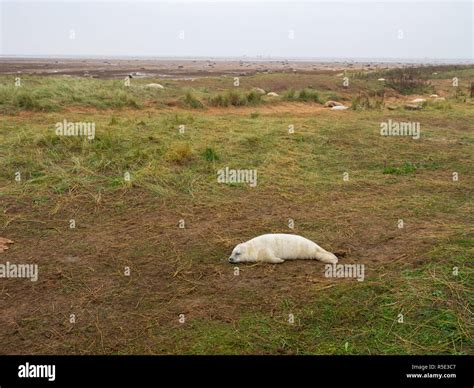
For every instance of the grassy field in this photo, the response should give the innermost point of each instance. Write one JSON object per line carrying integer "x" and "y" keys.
{"x": 134, "y": 222}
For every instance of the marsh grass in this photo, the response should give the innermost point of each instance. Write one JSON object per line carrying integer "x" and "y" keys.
{"x": 191, "y": 101}
{"x": 364, "y": 101}
{"x": 235, "y": 98}
{"x": 304, "y": 95}
{"x": 210, "y": 155}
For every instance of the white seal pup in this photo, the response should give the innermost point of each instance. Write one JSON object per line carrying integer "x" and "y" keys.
{"x": 276, "y": 248}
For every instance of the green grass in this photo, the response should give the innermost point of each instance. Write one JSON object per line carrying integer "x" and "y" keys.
{"x": 406, "y": 168}
{"x": 235, "y": 98}
{"x": 53, "y": 94}
{"x": 210, "y": 155}
{"x": 190, "y": 101}
{"x": 304, "y": 95}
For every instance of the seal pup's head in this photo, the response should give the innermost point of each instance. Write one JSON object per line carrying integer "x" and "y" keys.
{"x": 239, "y": 254}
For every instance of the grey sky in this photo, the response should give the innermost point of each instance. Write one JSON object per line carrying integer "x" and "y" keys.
{"x": 434, "y": 30}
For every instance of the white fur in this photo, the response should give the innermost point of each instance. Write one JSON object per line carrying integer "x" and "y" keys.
{"x": 276, "y": 248}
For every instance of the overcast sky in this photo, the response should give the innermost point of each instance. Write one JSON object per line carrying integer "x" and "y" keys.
{"x": 283, "y": 29}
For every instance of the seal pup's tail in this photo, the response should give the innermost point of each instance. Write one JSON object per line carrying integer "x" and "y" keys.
{"x": 325, "y": 256}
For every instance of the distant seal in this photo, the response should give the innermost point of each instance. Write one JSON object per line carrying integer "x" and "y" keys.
{"x": 276, "y": 248}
